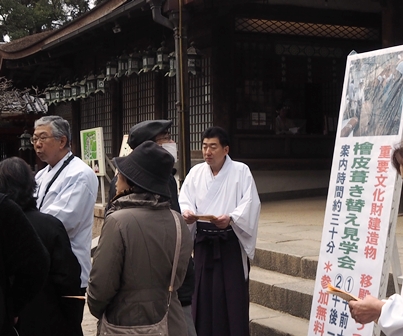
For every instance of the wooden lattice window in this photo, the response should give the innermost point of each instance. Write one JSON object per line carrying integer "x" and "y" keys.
{"x": 172, "y": 109}
{"x": 96, "y": 112}
{"x": 308, "y": 78}
{"x": 64, "y": 111}
{"x": 200, "y": 104}
{"x": 138, "y": 99}
{"x": 201, "y": 110}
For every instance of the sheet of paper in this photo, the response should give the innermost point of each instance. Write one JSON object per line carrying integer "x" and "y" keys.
{"x": 205, "y": 217}
{"x": 341, "y": 293}
{"x": 74, "y": 297}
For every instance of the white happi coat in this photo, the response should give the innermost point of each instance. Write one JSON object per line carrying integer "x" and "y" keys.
{"x": 231, "y": 192}
{"x": 391, "y": 319}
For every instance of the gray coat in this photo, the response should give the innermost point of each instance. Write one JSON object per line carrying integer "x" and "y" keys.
{"x": 132, "y": 265}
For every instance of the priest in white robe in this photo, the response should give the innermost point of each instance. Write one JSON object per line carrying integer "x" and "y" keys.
{"x": 224, "y": 242}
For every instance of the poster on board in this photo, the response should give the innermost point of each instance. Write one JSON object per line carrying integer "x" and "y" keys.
{"x": 93, "y": 149}
{"x": 364, "y": 190}
{"x": 125, "y": 149}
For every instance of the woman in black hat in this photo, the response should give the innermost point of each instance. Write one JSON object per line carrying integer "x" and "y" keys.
{"x": 132, "y": 264}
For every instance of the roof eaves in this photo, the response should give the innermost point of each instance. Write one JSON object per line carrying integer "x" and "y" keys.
{"x": 108, "y": 16}
{"x": 77, "y": 26}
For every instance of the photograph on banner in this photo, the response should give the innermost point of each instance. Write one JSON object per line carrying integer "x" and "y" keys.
{"x": 361, "y": 207}
{"x": 93, "y": 149}
{"x": 373, "y": 95}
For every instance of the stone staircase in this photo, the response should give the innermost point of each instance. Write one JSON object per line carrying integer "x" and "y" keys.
{"x": 281, "y": 288}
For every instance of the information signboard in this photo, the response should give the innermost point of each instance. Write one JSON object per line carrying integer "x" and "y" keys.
{"x": 93, "y": 149}
{"x": 364, "y": 190}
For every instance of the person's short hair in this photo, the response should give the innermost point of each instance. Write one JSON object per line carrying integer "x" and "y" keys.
{"x": 397, "y": 158}
{"x": 216, "y": 132}
{"x": 18, "y": 182}
{"x": 60, "y": 127}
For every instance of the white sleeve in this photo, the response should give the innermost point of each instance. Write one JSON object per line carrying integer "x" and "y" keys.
{"x": 187, "y": 200}
{"x": 246, "y": 214}
{"x": 391, "y": 319}
{"x": 187, "y": 194}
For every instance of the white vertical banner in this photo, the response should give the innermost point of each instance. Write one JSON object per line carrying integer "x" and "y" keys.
{"x": 360, "y": 211}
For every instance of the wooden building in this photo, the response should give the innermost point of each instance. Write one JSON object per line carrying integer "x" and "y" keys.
{"x": 256, "y": 54}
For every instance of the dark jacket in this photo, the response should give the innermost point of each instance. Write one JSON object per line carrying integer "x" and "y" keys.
{"x": 132, "y": 264}
{"x": 185, "y": 292}
{"x": 49, "y": 313}
{"x": 24, "y": 260}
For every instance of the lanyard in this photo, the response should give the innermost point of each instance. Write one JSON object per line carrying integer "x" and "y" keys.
{"x": 65, "y": 163}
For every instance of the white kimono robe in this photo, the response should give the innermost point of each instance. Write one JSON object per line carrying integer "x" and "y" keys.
{"x": 391, "y": 319}
{"x": 232, "y": 192}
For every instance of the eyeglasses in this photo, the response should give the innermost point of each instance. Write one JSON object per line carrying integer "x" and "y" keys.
{"x": 41, "y": 139}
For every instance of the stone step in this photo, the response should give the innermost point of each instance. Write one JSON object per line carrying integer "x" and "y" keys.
{"x": 282, "y": 292}
{"x": 299, "y": 265}
{"x": 296, "y": 260}
{"x": 265, "y": 321}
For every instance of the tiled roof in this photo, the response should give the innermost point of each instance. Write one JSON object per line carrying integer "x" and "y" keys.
{"x": 33, "y": 105}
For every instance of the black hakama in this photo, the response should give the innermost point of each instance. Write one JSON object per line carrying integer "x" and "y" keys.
{"x": 221, "y": 298}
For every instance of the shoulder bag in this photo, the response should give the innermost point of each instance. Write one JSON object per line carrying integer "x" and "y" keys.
{"x": 157, "y": 329}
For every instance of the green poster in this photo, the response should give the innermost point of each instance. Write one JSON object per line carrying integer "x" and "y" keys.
{"x": 92, "y": 149}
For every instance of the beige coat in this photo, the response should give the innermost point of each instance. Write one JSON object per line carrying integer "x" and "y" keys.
{"x": 133, "y": 262}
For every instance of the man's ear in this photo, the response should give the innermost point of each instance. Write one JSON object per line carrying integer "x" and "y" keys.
{"x": 63, "y": 141}
{"x": 226, "y": 149}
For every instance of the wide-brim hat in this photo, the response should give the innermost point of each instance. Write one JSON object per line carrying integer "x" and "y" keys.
{"x": 147, "y": 130}
{"x": 149, "y": 166}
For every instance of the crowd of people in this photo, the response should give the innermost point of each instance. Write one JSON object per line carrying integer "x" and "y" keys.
{"x": 46, "y": 274}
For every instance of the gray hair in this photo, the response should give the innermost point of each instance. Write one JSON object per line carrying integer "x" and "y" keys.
{"x": 59, "y": 126}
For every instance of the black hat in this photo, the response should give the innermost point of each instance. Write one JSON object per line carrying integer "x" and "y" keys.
{"x": 146, "y": 130}
{"x": 149, "y": 166}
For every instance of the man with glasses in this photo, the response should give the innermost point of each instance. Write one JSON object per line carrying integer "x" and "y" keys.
{"x": 67, "y": 189}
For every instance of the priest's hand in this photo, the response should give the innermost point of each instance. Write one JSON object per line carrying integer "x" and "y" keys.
{"x": 189, "y": 217}
{"x": 367, "y": 310}
{"x": 222, "y": 222}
